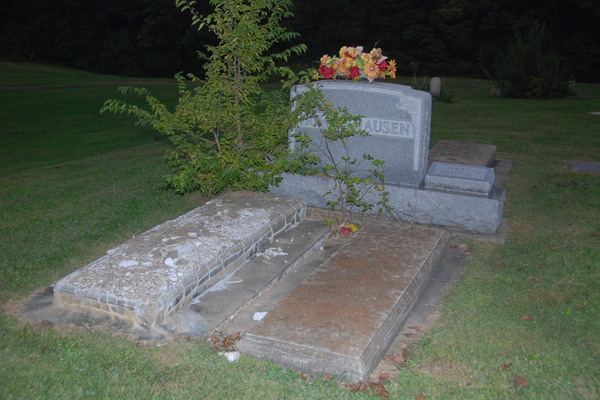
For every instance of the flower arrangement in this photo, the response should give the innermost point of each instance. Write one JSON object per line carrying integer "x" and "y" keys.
{"x": 355, "y": 64}
{"x": 348, "y": 229}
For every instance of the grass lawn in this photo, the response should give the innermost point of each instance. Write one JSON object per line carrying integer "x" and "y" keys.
{"x": 522, "y": 323}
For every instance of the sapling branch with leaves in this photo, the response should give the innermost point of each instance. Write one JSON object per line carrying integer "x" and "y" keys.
{"x": 358, "y": 183}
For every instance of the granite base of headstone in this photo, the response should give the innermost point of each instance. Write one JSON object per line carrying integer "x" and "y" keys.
{"x": 470, "y": 212}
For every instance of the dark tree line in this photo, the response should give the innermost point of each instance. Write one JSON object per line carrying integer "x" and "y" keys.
{"x": 134, "y": 37}
{"x": 453, "y": 37}
{"x": 152, "y": 38}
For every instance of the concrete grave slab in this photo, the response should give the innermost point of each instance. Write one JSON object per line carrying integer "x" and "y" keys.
{"x": 460, "y": 178}
{"x": 397, "y": 117}
{"x": 342, "y": 318}
{"x": 152, "y": 275}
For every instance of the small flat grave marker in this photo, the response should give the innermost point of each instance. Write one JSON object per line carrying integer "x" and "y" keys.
{"x": 584, "y": 166}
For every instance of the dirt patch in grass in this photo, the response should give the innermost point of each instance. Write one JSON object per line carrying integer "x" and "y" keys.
{"x": 547, "y": 296}
{"x": 448, "y": 371}
{"x": 521, "y": 228}
{"x": 35, "y": 311}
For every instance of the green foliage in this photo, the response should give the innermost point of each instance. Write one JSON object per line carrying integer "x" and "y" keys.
{"x": 227, "y": 131}
{"x": 447, "y": 96}
{"x": 356, "y": 188}
{"x": 529, "y": 69}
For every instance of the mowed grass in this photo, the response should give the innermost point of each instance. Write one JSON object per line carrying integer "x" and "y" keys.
{"x": 522, "y": 322}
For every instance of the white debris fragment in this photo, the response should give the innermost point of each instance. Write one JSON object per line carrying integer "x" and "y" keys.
{"x": 170, "y": 262}
{"x": 231, "y": 356}
{"x": 259, "y": 315}
{"x": 127, "y": 263}
{"x": 273, "y": 252}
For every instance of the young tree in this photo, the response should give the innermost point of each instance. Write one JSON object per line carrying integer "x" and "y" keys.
{"x": 226, "y": 129}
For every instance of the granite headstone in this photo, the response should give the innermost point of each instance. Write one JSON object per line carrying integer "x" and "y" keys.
{"x": 435, "y": 86}
{"x": 397, "y": 117}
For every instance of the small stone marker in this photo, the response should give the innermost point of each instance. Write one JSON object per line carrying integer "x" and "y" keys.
{"x": 435, "y": 86}
{"x": 584, "y": 166}
{"x": 152, "y": 275}
{"x": 397, "y": 117}
{"x": 460, "y": 178}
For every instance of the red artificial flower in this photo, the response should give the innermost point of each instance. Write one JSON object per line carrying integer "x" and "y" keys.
{"x": 326, "y": 72}
{"x": 346, "y": 231}
{"x": 383, "y": 65}
{"x": 354, "y": 72}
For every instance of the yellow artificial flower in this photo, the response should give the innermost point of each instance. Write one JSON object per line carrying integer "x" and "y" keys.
{"x": 340, "y": 65}
{"x": 391, "y": 69}
{"x": 325, "y": 60}
{"x": 371, "y": 70}
{"x": 355, "y": 51}
{"x": 375, "y": 54}
{"x": 353, "y": 227}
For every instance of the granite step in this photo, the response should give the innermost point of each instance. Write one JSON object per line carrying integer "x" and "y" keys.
{"x": 339, "y": 311}
{"x": 151, "y": 276}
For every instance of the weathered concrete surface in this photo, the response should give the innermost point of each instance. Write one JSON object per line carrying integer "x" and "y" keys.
{"x": 345, "y": 314}
{"x": 154, "y": 274}
{"x": 226, "y": 297}
{"x": 482, "y": 155}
